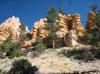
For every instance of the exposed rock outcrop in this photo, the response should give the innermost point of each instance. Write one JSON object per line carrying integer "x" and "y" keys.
{"x": 90, "y": 24}
{"x": 68, "y": 22}
{"x": 11, "y": 25}
{"x": 71, "y": 38}
{"x": 76, "y": 24}
{"x": 63, "y": 22}
{"x": 38, "y": 29}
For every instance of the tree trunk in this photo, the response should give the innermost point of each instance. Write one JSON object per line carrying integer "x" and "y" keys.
{"x": 53, "y": 44}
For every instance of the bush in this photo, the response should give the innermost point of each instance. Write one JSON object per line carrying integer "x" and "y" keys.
{"x": 22, "y": 67}
{"x": 13, "y": 51}
{"x": 7, "y": 44}
{"x": 82, "y": 54}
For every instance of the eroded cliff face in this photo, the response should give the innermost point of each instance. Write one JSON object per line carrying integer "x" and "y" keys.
{"x": 77, "y": 25}
{"x": 90, "y": 24}
{"x": 11, "y": 25}
{"x": 38, "y": 29}
{"x": 63, "y": 22}
{"x": 68, "y": 22}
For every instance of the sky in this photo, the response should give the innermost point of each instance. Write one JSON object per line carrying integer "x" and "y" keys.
{"x": 30, "y": 11}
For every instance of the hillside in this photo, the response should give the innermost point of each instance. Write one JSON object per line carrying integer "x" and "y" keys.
{"x": 57, "y": 44}
{"x": 55, "y": 62}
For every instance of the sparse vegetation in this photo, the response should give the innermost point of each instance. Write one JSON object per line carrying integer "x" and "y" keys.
{"x": 84, "y": 54}
{"x": 38, "y": 47}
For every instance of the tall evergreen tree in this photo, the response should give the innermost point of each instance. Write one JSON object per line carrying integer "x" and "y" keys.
{"x": 53, "y": 25}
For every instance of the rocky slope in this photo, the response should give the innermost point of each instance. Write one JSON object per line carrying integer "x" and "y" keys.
{"x": 11, "y": 25}
{"x": 50, "y": 62}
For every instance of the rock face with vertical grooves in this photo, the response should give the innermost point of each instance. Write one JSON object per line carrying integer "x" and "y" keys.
{"x": 11, "y": 25}
{"x": 90, "y": 24}
{"x": 38, "y": 29}
{"x": 68, "y": 22}
{"x": 76, "y": 24}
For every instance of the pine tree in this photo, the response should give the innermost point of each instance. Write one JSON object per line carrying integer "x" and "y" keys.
{"x": 52, "y": 25}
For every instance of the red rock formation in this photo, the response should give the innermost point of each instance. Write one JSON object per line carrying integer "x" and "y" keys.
{"x": 63, "y": 22}
{"x": 90, "y": 25}
{"x": 76, "y": 24}
{"x": 11, "y": 25}
{"x": 69, "y": 22}
{"x": 38, "y": 29}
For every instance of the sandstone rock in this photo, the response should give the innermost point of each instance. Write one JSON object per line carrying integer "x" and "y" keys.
{"x": 26, "y": 44}
{"x": 71, "y": 38}
{"x": 11, "y": 25}
{"x": 90, "y": 25}
{"x": 68, "y": 22}
{"x": 76, "y": 24}
{"x": 62, "y": 21}
{"x": 38, "y": 29}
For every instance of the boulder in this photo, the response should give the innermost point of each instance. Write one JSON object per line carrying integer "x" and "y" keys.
{"x": 71, "y": 39}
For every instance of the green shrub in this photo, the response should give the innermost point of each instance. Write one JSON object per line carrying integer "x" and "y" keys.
{"x": 14, "y": 50}
{"x": 82, "y": 54}
{"x": 22, "y": 67}
{"x": 39, "y": 47}
{"x": 11, "y": 49}
{"x": 22, "y": 26}
{"x": 7, "y": 44}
